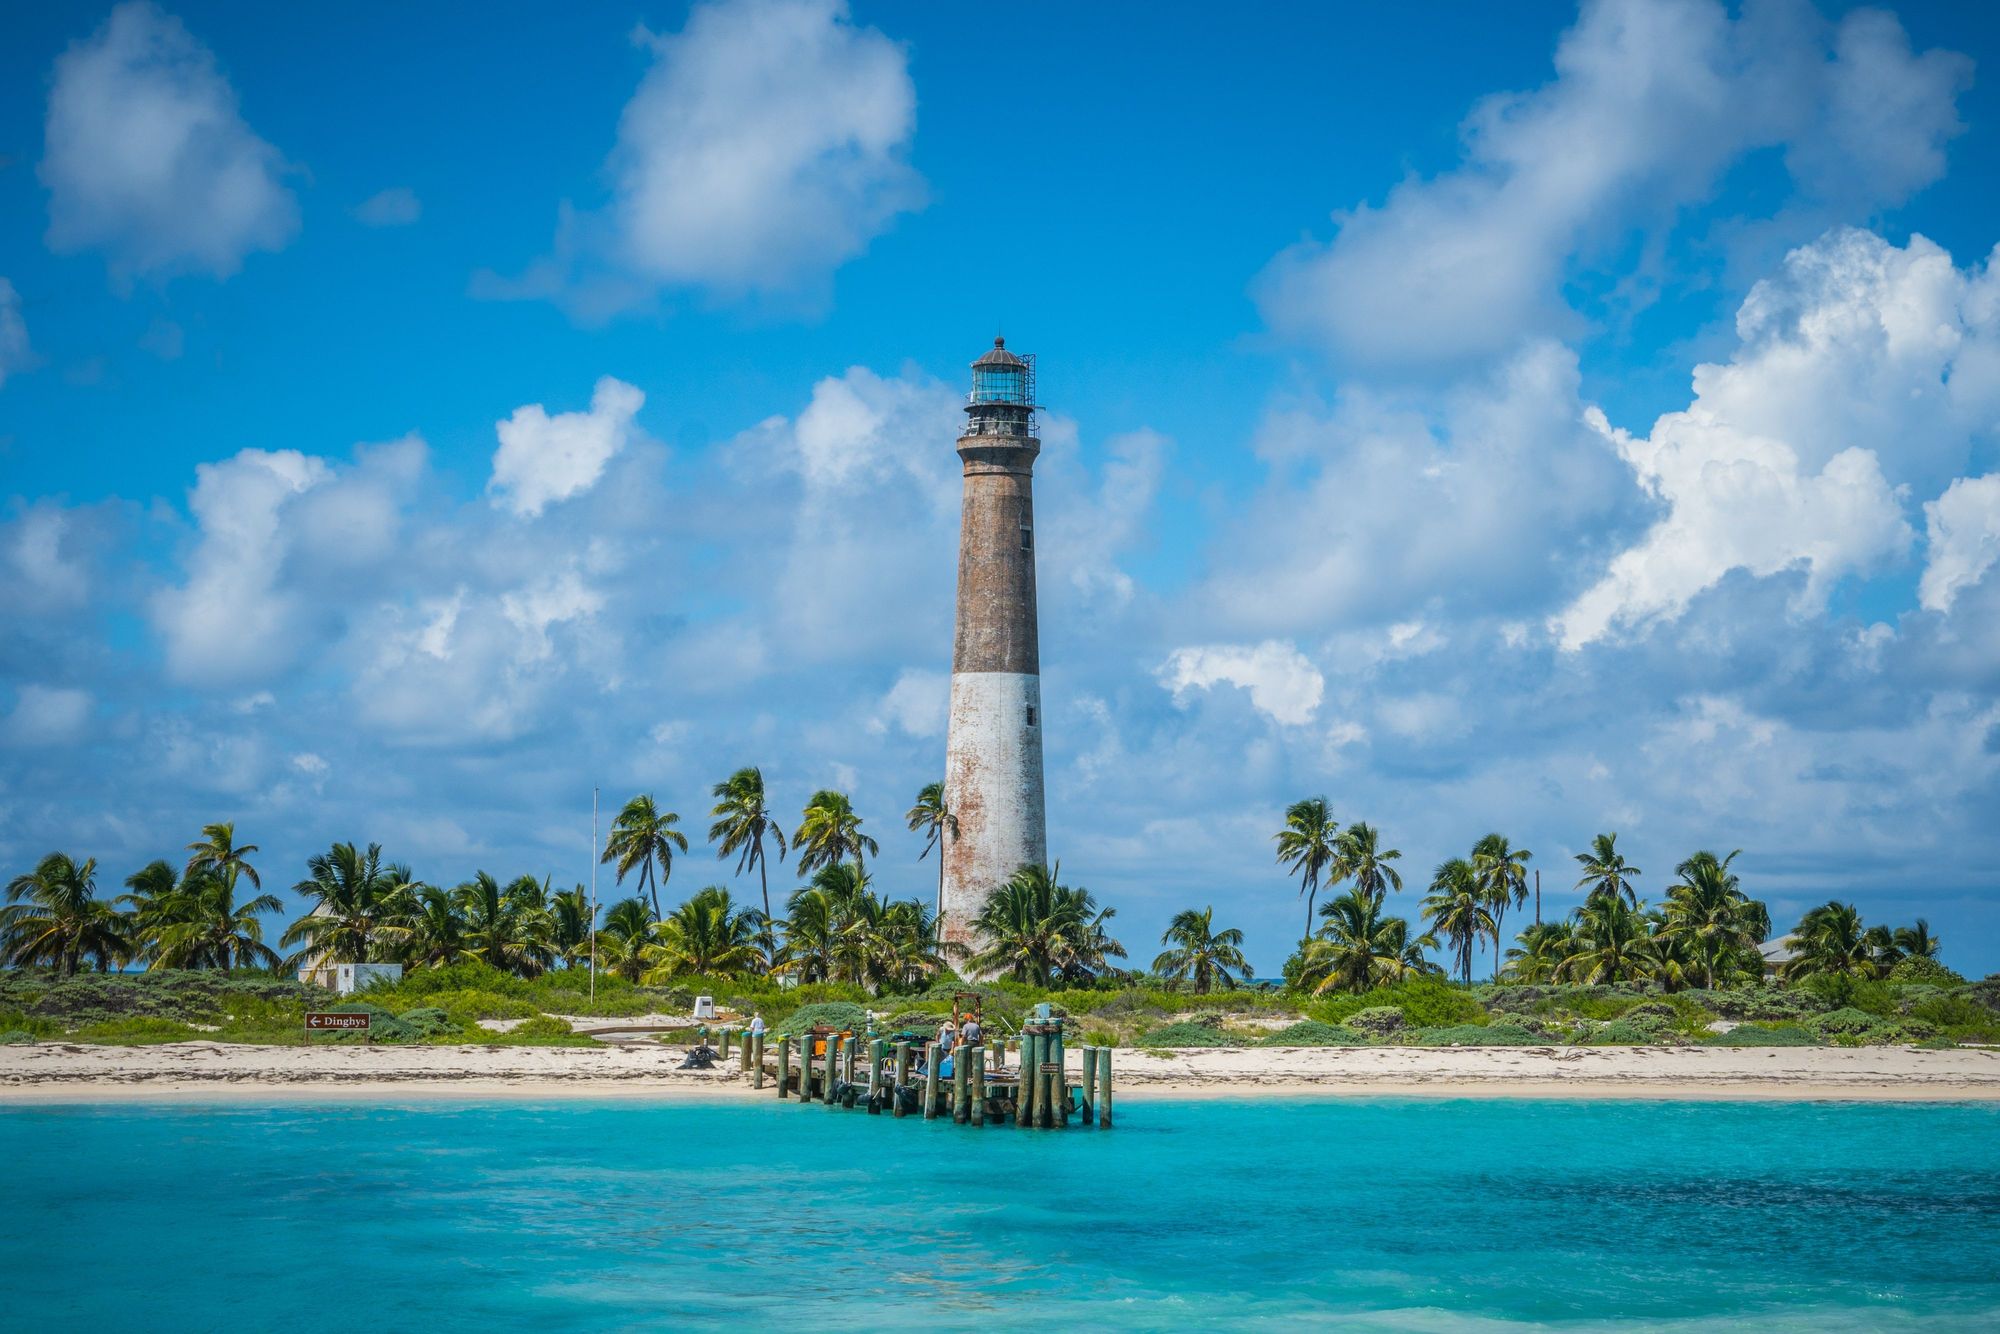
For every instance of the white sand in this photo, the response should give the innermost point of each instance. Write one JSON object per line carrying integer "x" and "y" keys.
{"x": 55, "y": 1071}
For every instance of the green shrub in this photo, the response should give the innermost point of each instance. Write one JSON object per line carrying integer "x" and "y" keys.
{"x": 541, "y": 1026}
{"x": 1187, "y": 1034}
{"x": 1099, "y": 1037}
{"x": 1312, "y": 1033}
{"x": 1853, "y": 993}
{"x": 1762, "y": 1035}
{"x": 1916, "y": 968}
{"x": 1938, "y": 1043}
{"x": 1378, "y": 1021}
{"x": 1426, "y": 1002}
{"x": 429, "y": 1021}
{"x": 1472, "y": 1035}
{"x": 137, "y": 1029}
{"x": 1852, "y": 1027}
{"x": 832, "y": 1014}
{"x": 1625, "y": 1031}
{"x": 35, "y": 1026}
{"x": 16, "y": 1037}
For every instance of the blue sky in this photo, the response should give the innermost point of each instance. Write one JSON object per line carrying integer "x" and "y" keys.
{"x": 1523, "y": 418}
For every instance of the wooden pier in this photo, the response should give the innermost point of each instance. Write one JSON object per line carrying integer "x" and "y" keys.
{"x": 834, "y": 1069}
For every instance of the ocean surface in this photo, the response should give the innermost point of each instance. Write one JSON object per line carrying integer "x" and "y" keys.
{"x": 1429, "y": 1215}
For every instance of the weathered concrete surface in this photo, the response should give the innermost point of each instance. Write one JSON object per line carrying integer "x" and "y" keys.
{"x": 993, "y": 782}
{"x": 993, "y": 750}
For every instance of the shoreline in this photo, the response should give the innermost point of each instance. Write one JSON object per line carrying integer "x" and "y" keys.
{"x": 56, "y": 1072}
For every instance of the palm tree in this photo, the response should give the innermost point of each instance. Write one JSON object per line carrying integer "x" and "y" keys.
{"x": 53, "y": 916}
{"x": 707, "y": 935}
{"x": 1359, "y": 947}
{"x": 1307, "y": 847}
{"x": 216, "y": 851}
{"x": 829, "y": 831}
{"x": 1502, "y": 875}
{"x": 151, "y": 904}
{"x": 1830, "y": 940}
{"x": 622, "y": 940}
{"x": 1040, "y": 930}
{"x": 1358, "y": 856}
{"x": 1543, "y": 948}
{"x": 933, "y": 819}
{"x": 1612, "y": 940}
{"x": 642, "y": 835}
{"x": 207, "y": 928}
{"x": 1710, "y": 922}
{"x": 1917, "y": 942}
{"x": 429, "y": 930}
{"x": 742, "y": 823}
{"x": 904, "y": 948}
{"x": 569, "y": 910}
{"x": 1457, "y": 911}
{"x": 355, "y": 898}
{"x": 1605, "y": 870}
{"x": 1201, "y": 954}
{"x": 505, "y": 928}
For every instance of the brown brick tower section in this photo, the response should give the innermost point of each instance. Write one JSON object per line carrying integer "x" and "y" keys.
{"x": 993, "y": 753}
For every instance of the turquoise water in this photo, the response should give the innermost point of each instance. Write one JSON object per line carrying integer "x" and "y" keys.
{"x": 1446, "y": 1215}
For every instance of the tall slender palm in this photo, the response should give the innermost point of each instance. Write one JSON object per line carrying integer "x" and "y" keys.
{"x": 1502, "y": 873}
{"x": 1200, "y": 954}
{"x": 1360, "y": 857}
{"x": 53, "y": 916}
{"x": 569, "y": 910}
{"x": 151, "y": 903}
{"x": 904, "y": 949}
{"x": 1307, "y": 848}
{"x": 935, "y": 821}
{"x": 742, "y": 822}
{"x": 827, "y": 922}
{"x": 1458, "y": 911}
{"x": 429, "y": 930}
{"x": 644, "y": 835}
{"x": 1710, "y": 922}
{"x": 355, "y": 898}
{"x": 218, "y": 852}
{"x": 1830, "y": 940}
{"x": 504, "y": 927}
{"x": 1917, "y": 942}
{"x": 829, "y": 831}
{"x": 1360, "y": 947}
{"x": 1040, "y": 930}
{"x": 1605, "y": 870}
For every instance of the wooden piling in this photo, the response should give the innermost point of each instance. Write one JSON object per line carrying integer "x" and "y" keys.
{"x": 1059, "y": 1058}
{"x": 756, "y": 1061}
{"x": 1030, "y": 1079}
{"x": 849, "y": 1050}
{"x": 784, "y": 1064}
{"x": 902, "y": 1076}
{"x": 961, "y": 1109}
{"x": 978, "y": 1108}
{"x": 1086, "y": 1088}
{"x": 930, "y": 1082}
{"x": 1104, "y": 1087}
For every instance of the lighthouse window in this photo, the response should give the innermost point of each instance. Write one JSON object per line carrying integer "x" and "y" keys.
{"x": 1031, "y": 715}
{"x": 1027, "y": 538}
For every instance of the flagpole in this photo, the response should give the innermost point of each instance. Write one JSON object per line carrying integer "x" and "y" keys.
{"x": 593, "y": 892}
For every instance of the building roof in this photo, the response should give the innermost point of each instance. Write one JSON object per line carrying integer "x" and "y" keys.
{"x": 999, "y": 356}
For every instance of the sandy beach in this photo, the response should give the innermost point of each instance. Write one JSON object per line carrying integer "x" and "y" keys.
{"x": 71, "y": 1072}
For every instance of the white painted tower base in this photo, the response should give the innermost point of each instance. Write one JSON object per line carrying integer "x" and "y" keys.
{"x": 993, "y": 783}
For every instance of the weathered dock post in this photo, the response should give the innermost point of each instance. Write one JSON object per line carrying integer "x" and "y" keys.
{"x": 1045, "y": 1103}
{"x": 784, "y": 1064}
{"x": 1086, "y": 1089}
{"x": 757, "y": 1061}
{"x": 724, "y": 1053}
{"x": 1104, "y": 1087}
{"x": 978, "y": 1109}
{"x": 1059, "y": 1058}
{"x": 1029, "y": 1079}
{"x": 961, "y": 1110}
{"x": 832, "y": 1069}
{"x": 930, "y": 1082}
{"x": 850, "y": 1048}
{"x": 902, "y": 1076}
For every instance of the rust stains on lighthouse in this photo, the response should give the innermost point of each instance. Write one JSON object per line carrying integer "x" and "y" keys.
{"x": 993, "y": 750}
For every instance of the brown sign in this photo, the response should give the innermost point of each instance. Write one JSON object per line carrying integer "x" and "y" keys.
{"x": 321, "y": 1021}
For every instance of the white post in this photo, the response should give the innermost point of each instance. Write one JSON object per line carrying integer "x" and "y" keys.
{"x": 593, "y": 892}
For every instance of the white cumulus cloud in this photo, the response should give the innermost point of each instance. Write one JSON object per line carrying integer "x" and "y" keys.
{"x": 544, "y": 459}
{"x": 148, "y": 158}
{"x": 1963, "y": 531}
{"x": 1281, "y": 681}
{"x": 15, "y": 354}
{"x": 47, "y": 715}
{"x": 1652, "y": 101}
{"x": 397, "y": 206}
{"x": 1863, "y": 368}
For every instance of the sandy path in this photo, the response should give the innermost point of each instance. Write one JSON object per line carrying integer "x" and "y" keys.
{"x": 74, "y": 1072}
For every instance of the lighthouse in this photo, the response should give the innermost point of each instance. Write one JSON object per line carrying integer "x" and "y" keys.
{"x": 993, "y": 748}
